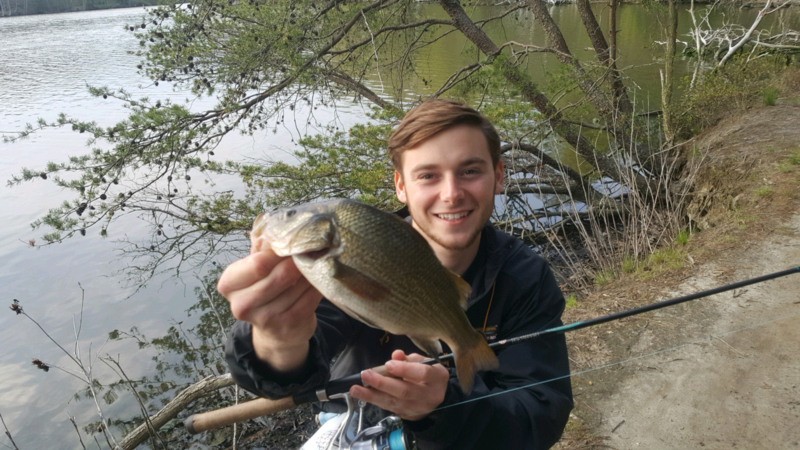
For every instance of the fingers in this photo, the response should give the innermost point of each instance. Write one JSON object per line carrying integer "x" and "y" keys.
{"x": 246, "y": 271}
{"x": 306, "y": 304}
{"x": 279, "y": 289}
{"x": 399, "y": 355}
{"x": 408, "y": 368}
{"x": 269, "y": 292}
{"x": 259, "y": 280}
{"x": 378, "y": 393}
{"x": 389, "y": 385}
{"x": 262, "y": 308}
{"x": 408, "y": 399}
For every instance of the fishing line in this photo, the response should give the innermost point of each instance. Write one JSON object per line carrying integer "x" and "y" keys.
{"x": 334, "y": 388}
{"x": 616, "y": 363}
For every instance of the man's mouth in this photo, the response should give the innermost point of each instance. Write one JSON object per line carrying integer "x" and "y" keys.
{"x": 454, "y": 216}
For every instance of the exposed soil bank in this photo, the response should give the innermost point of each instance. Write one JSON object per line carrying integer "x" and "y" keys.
{"x": 722, "y": 372}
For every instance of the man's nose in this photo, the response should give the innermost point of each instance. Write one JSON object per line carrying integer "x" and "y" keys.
{"x": 451, "y": 191}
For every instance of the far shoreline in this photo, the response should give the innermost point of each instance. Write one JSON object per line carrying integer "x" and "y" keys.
{"x": 139, "y": 4}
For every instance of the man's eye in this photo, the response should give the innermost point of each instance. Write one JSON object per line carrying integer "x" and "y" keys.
{"x": 426, "y": 176}
{"x": 471, "y": 171}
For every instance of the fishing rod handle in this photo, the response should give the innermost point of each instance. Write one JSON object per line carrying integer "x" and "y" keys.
{"x": 218, "y": 418}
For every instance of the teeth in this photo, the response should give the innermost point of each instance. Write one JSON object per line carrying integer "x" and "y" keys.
{"x": 453, "y": 216}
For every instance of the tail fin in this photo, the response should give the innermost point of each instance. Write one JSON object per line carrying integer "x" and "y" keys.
{"x": 477, "y": 357}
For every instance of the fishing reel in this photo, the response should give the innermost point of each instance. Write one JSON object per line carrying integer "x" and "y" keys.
{"x": 388, "y": 434}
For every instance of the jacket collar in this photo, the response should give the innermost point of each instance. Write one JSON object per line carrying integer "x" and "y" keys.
{"x": 500, "y": 248}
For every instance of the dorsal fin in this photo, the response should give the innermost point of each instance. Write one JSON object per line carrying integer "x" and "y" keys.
{"x": 463, "y": 288}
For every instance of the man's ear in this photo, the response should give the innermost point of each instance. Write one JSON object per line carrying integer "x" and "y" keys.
{"x": 399, "y": 187}
{"x": 499, "y": 173}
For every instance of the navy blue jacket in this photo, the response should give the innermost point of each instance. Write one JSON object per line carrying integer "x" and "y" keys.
{"x": 526, "y": 299}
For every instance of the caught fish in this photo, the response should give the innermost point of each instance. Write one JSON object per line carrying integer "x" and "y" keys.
{"x": 378, "y": 269}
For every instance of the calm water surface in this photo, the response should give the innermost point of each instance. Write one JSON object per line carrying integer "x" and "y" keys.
{"x": 46, "y": 63}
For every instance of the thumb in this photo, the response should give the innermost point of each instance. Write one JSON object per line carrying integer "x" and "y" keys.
{"x": 399, "y": 355}
{"x": 415, "y": 357}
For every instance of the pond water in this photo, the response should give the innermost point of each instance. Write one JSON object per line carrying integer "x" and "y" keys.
{"x": 46, "y": 63}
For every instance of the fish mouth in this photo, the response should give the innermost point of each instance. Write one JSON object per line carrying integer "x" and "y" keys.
{"x": 315, "y": 240}
{"x": 313, "y": 255}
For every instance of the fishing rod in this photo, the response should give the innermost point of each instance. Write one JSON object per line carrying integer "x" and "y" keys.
{"x": 210, "y": 420}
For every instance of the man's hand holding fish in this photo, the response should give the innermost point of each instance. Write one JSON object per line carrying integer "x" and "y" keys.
{"x": 268, "y": 292}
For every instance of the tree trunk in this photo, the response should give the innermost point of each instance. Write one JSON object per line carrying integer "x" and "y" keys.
{"x": 606, "y": 53}
{"x": 612, "y": 31}
{"x": 531, "y": 93}
{"x": 666, "y": 78}
{"x": 557, "y": 41}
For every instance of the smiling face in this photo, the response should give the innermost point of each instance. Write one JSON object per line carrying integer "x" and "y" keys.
{"x": 449, "y": 184}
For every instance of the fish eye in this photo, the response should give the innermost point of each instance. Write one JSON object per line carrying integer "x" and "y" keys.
{"x": 290, "y": 213}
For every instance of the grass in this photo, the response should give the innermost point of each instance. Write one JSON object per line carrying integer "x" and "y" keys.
{"x": 785, "y": 168}
{"x": 668, "y": 258}
{"x": 743, "y": 220}
{"x": 682, "y": 238}
{"x": 572, "y": 301}
{"x": 629, "y": 264}
{"x": 764, "y": 191}
{"x": 665, "y": 259}
{"x": 794, "y": 158}
{"x": 770, "y": 96}
{"x": 604, "y": 277}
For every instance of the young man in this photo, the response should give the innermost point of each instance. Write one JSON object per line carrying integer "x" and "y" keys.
{"x": 447, "y": 172}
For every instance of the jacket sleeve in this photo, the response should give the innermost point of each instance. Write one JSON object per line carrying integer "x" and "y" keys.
{"x": 334, "y": 330}
{"x": 525, "y": 403}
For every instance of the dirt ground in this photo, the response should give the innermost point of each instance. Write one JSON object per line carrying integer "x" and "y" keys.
{"x": 738, "y": 389}
{"x": 722, "y": 372}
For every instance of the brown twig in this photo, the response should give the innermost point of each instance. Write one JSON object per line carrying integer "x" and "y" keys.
{"x": 74, "y": 424}
{"x": 152, "y": 430}
{"x": 8, "y": 433}
{"x": 86, "y": 370}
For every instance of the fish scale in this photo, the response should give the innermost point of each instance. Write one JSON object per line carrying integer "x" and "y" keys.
{"x": 379, "y": 270}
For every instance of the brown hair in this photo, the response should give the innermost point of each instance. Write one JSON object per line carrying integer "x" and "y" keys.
{"x": 431, "y": 118}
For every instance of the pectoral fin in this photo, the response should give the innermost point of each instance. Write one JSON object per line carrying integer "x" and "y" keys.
{"x": 431, "y": 346}
{"x": 463, "y": 289}
{"x": 358, "y": 283}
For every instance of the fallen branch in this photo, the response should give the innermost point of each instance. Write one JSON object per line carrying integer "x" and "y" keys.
{"x": 747, "y": 36}
{"x": 777, "y": 46}
{"x": 173, "y": 408}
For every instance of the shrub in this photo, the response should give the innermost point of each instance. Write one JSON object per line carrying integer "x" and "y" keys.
{"x": 770, "y": 96}
{"x": 735, "y": 86}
